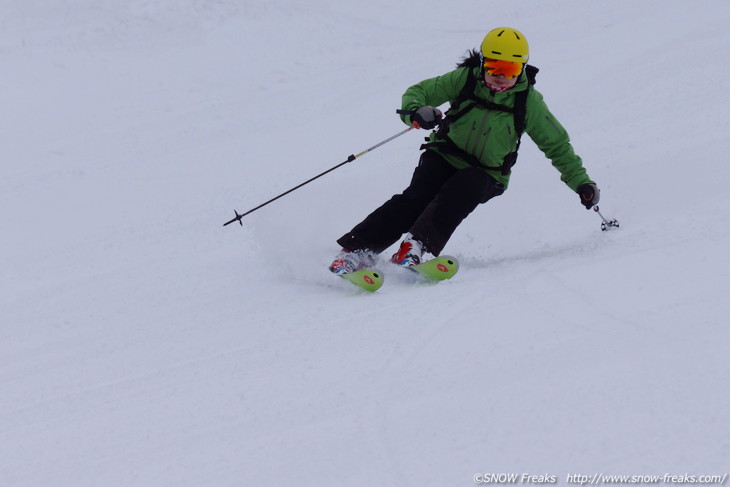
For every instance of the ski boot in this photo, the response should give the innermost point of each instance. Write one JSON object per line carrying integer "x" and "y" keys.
{"x": 409, "y": 253}
{"x": 348, "y": 261}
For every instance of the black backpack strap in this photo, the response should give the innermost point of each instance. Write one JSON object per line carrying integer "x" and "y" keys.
{"x": 447, "y": 146}
{"x": 520, "y": 106}
{"x": 531, "y": 73}
{"x": 457, "y": 106}
{"x": 520, "y": 114}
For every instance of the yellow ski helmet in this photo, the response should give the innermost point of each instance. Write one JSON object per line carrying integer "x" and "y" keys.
{"x": 505, "y": 44}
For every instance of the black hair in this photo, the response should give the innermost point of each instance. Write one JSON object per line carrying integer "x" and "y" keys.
{"x": 472, "y": 59}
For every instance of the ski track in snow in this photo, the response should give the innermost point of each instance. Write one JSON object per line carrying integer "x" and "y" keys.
{"x": 141, "y": 343}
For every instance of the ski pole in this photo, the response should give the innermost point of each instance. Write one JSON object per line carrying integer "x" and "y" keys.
{"x": 606, "y": 224}
{"x": 350, "y": 158}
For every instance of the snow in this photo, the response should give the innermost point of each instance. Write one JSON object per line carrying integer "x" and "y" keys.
{"x": 142, "y": 343}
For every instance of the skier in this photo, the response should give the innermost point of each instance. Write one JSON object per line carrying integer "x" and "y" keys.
{"x": 468, "y": 160}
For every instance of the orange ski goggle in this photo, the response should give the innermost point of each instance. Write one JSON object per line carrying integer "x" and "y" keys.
{"x": 497, "y": 67}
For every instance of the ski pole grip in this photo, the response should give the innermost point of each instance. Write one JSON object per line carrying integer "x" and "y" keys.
{"x": 410, "y": 113}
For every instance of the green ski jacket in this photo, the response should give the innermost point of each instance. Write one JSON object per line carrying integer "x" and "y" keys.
{"x": 489, "y": 134}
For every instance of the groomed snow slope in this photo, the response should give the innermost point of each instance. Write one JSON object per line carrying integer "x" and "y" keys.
{"x": 143, "y": 344}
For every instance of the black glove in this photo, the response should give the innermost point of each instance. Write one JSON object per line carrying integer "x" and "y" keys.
{"x": 426, "y": 118}
{"x": 589, "y": 194}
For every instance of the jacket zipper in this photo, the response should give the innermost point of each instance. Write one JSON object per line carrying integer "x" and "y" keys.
{"x": 468, "y": 139}
{"x": 486, "y": 138}
{"x": 476, "y": 142}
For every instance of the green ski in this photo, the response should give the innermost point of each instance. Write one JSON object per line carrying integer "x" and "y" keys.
{"x": 438, "y": 268}
{"x": 367, "y": 279}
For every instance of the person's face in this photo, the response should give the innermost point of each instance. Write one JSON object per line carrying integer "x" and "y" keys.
{"x": 500, "y": 81}
{"x": 501, "y": 74}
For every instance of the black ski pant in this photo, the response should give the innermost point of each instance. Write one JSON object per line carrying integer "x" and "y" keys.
{"x": 430, "y": 208}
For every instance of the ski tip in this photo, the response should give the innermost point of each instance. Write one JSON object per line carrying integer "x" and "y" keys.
{"x": 367, "y": 279}
{"x": 438, "y": 268}
{"x": 451, "y": 261}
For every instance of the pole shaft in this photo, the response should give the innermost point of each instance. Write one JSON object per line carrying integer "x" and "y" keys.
{"x": 288, "y": 191}
{"x": 349, "y": 159}
{"x": 384, "y": 142}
